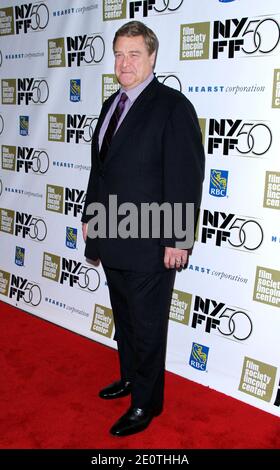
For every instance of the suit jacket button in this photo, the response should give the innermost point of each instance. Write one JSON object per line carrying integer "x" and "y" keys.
{"x": 101, "y": 174}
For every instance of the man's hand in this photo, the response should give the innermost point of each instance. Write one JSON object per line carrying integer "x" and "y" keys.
{"x": 84, "y": 229}
{"x": 95, "y": 262}
{"x": 175, "y": 258}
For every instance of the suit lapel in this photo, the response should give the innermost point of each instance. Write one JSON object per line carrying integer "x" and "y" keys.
{"x": 131, "y": 119}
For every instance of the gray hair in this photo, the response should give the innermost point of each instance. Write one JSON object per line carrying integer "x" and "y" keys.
{"x": 136, "y": 28}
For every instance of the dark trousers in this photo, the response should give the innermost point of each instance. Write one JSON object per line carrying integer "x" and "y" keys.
{"x": 141, "y": 303}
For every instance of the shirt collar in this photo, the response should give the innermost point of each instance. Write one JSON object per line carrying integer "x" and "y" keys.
{"x": 133, "y": 93}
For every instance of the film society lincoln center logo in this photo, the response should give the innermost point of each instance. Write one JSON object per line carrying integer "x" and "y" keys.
{"x": 64, "y": 200}
{"x": 70, "y": 272}
{"x": 20, "y": 289}
{"x": 230, "y": 38}
{"x": 22, "y": 224}
{"x": 109, "y": 85}
{"x": 71, "y": 128}
{"x": 276, "y": 89}
{"x": 180, "y": 307}
{"x": 23, "y": 19}
{"x": 210, "y": 316}
{"x": 102, "y": 322}
{"x": 272, "y": 190}
{"x": 24, "y": 159}
{"x": 257, "y": 379}
{"x": 267, "y": 286}
{"x": 24, "y": 91}
{"x": 82, "y": 50}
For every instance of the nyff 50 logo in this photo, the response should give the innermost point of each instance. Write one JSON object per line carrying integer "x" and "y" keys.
{"x": 19, "y": 288}
{"x": 236, "y": 137}
{"x": 170, "y": 79}
{"x": 231, "y": 230}
{"x": 227, "y": 320}
{"x": 24, "y": 91}
{"x": 31, "y": 17}
{"x": 1, "y": 124}
{"x": 65, "y": 200}
{"x": 22, "y": 224}
{"x": 249, "y": 36}
{"x": 71, "y": 128}
{"x": 231, "y": 38}
{"x": 25, "y": 159}
{"x": 143, "y": 7}
{"x": 77, "y": 50}
{"x": 71, "y": 272}
{"x": 25, "y": 18}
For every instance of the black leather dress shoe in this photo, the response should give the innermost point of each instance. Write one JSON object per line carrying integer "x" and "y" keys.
{"x": 116, "y": 390}
{"x": 133, "y": 421}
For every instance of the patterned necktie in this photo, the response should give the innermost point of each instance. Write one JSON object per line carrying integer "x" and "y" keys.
{"x": 112, "y": 126}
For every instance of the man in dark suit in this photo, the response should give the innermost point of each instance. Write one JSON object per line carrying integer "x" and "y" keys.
{"x": 146, "y": 149}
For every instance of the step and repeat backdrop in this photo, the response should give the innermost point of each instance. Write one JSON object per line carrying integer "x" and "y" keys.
{"x": 56, "y": 66}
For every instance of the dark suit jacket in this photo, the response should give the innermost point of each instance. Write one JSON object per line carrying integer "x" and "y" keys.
{"x": 156, "y": 156}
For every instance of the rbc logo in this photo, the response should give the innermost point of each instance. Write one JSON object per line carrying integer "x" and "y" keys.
{"x": 23, "y": 125}
{"x": 218, "y": 183}
{"x": 19, "y": 256}
{"x": 199, "y": 356}
{"x": 71, "y": 237}
{"x": 75, "y": 90}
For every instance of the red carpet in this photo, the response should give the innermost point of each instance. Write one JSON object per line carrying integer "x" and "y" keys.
{"x": 50, "y": 379}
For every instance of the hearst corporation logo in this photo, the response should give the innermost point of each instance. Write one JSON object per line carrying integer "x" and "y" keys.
{"x": 80, "y": 10}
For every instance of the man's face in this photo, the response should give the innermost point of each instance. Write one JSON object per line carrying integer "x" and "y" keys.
{"x": 133, "y": 64}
